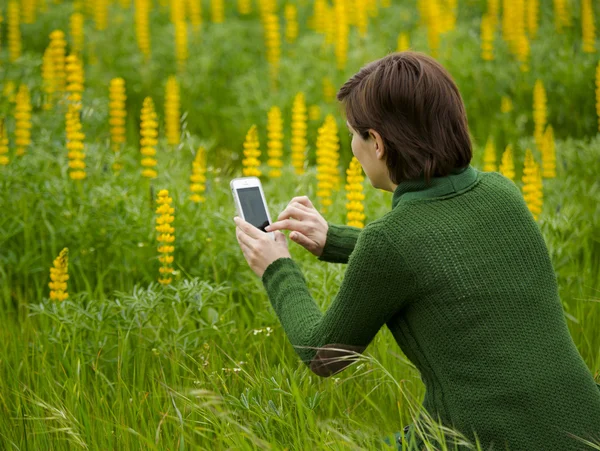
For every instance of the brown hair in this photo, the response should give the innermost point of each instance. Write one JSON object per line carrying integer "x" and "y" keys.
{"x": 414, "y": 104}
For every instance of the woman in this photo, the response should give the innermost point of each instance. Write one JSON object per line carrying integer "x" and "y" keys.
{"x": 458, "y": 270}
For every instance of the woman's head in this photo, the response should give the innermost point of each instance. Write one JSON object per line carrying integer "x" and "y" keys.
{"x": 407, "y": 118}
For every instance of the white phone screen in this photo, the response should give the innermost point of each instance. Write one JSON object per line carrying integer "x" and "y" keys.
{"x": 253, "y": 207}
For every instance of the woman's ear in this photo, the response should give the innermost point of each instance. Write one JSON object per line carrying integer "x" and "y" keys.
{"x": 378, "y": 142}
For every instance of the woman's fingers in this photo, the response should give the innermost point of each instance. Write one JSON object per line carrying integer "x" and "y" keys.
{"x": 303, "y": 241}
{"x": 304, "y": 200}
{"x": 287, "y": 224}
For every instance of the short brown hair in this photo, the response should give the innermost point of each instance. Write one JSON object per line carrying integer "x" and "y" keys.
{"x": 414, "y": 104}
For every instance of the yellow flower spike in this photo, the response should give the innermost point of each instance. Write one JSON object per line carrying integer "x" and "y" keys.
{"x": 272, "y": 45}
{"x": 361, "y": 17}
{"x": 327, "y": 161}
{"x": 75, "y": 80}
{"x": 403, "y": 42}
{"x": 506, "y": 105}
{"x": 252, "y": 153}
{"x": 177, "y": 11}
{"x": 165, "y": 235}
{"x": 75, "y": 145}
{"x": 549, "y": 154}
{"x": 14, "y": 30}
{"x": 493, "y": 8}
{"x": 76, "y": 23}
{"x": 118, "y": 116}
{"x": 314, "y": 112}
{"x": 539, "y": 112}
{"x": 217, "y": 11}
{"x": 328, "y": 90}
{"x": 4, "y": 160}
{"x": 28, "y": 10}
{"x": 598, "y": 93}
{"x": 275, "y": 141}
{"x": 298, "y": 140}
{"x": 195, "y": 10}
{"x": 244, "y": 7}
{"x": 148, "y": 140}
{"x": 142, "y": 26}
{"x": 562, "y": 15}
{"x": 507, "y": 166}
{"x": 22, "y": 114}
{"x": 533, "y": 9}
{"x": 48, "y": 78}
{"x": 181, "y": 44}
{"x": 172, "y": 111}
{"x": 58, "y": 46}
{"x": 101, "y": 14}
{"x": 341, "y": 33}
{"x": 319, "y": 17}
{"x": 487, "y": 38}
{"x": 489, "y": 156}
{"x": 588, "y": 27}
{"x": 354, "y": 193}
{"x": 291, "y": 22}
{"x": 532, "y": 187}
{"x": 198, "y": 177}
{"x": 59, "y": 274}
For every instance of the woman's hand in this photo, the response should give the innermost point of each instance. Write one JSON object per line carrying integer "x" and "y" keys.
{"x": 308, "y": 227}
{"x": 258, "y": 248}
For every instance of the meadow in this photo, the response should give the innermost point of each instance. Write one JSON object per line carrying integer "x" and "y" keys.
{"x": 200, "y": 360}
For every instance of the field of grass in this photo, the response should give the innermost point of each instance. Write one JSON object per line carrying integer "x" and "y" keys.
{"x": 203, "y": 363}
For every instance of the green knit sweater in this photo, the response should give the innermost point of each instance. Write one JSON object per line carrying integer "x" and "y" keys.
{"x": 460, "y": 273}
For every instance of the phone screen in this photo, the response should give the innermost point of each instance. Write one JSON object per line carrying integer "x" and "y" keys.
{"x": 253, "y": 207}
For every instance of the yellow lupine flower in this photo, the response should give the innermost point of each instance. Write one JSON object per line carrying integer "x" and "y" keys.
{"x": 327, "y": 160}
{"x": 117, "y": 114}
{"x": 217, "y": 11}
{"x": 291, "y": 22}
{"x": 75, "y": 80}
{"x": 148, "y": 140}
{"x": 59, "y": 274}
{"x": 354, "y": 193}
{"x": 272, "y": 45}
{"x": 598, "y": 93}
{"x": 275, "y": 141}
{"x": 562, "y": 15}
{"x": 493, "y": 8}
{"x": 172, "y": 110}
{"x": 532, "y": 185}
{"x": 539, "y": 112}
{"x": 319, "y": 17}
{"x": 588, "y": 28}
{"x": 506, "y": 105}
{"x": 328, "y": 90}
{"x": 14, "y": 31}
{"x": 314, "y": 112}
{"x": 28, "y": 10}
{"x": 76, "y": 22}
{"x": 252, "y": 154}
{"x": 48, "y": 78}
{"x": 165, "y": 235}
{"x": 361, "y": 17}
{"x": 195, "y": 10}
{"x": 507, "y": 166}
{"x": 549, "y": 154}
{"x": 181, "y": 44}
{"x": 142, "y": 26}
{"x": 244, "y": 7}
{"x": 4, "y": 160}
{"x": 403, "y": 42}
{"x": 22, "y": 113}
{"x": 341, "y": 33}
{"x": 177, "y": 11}
{"x": 198, "y": 177}
{"x": 299, "y": 141}
{"x": 489, "y": 156}
{"x": 101, "y": 14}
{"x": 75, "y": 145}
{"x": 58, "y": 44}
{"x": 487, "y": 38}
{"x": 533, "y": 8}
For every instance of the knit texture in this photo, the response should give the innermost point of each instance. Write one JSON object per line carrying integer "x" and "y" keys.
{"x": 460, "y": 273}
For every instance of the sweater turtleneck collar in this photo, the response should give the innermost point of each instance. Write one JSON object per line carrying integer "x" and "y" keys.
{"x": 457, "y": 180}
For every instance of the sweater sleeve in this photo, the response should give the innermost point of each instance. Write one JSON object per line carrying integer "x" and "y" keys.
{"x": 339, "y": 243}
{"x": 376, "y": 286}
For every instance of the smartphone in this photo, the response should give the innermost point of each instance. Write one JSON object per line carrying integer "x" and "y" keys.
{"x": 250, "y": 202}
